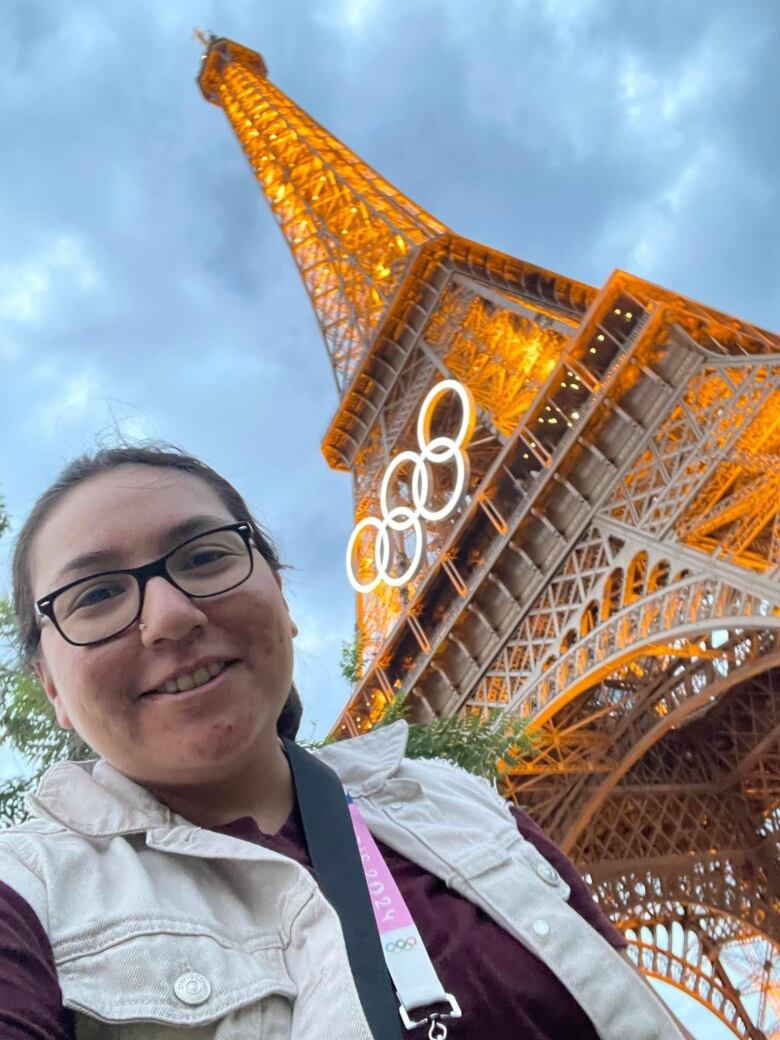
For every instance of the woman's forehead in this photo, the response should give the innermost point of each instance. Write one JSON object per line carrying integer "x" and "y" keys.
{"x": 126, "y": 508}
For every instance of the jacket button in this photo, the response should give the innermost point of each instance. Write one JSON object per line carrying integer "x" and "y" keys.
{"x": 192, "y": 988}
{"x": 541, "y": 928}
{"x": 396, "y": 806}
{"x": 548, "y": 873}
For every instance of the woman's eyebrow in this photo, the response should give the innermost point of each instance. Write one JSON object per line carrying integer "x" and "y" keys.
{"x": 108, "y": 557}
{"x": 89, "y": 559}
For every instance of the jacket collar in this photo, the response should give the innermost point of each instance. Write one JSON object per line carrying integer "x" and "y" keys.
{"x": 365, "y": 763}
{"x": 95, "y": 799}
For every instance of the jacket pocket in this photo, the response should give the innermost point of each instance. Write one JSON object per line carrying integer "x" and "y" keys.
{"x": 484, "y": 864}
{"x": 543, "y": 868}
{"x": 130, "y": 982}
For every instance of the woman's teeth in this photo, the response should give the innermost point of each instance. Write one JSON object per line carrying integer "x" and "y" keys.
{"x": 189, "y": 682}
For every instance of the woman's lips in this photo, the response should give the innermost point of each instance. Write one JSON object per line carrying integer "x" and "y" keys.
{"x": 205, "y": 687}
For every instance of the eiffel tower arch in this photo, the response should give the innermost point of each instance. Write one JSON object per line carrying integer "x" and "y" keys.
{"x": 612, "y": 572}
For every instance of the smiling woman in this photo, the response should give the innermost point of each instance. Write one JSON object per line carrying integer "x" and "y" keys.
{"x": 203, "y": 875}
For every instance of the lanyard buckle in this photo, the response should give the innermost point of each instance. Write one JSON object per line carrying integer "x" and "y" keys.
{"x": 434, "y": 1018}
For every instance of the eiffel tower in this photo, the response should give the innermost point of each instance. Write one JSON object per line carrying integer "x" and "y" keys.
{"x": 612, "y": 573}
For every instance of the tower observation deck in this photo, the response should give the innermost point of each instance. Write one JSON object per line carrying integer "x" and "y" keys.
{"x": 611, "y": 573}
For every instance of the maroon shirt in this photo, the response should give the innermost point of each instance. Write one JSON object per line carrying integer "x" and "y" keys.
{"x": 504, "y": 991}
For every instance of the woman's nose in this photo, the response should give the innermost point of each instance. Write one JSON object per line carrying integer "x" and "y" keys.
{"x": 167, "y": 612}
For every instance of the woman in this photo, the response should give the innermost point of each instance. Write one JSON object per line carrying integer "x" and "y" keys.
{"x": 166, "y": 889}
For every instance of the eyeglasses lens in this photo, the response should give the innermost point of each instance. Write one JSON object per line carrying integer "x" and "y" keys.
{"x": 99, "y": 607}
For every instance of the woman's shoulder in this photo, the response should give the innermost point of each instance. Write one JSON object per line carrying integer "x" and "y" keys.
{"x": 367, "y": 762}
{"x": 452, "y": 770}
{"x": 450, "y": 775}
{"x": 21, "y": 840}
{"x": 33, "y": 853}
{"x": 22, "y": 867}
{"x": 30, "y": 997}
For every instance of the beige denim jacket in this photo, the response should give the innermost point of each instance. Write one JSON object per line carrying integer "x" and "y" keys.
{"x": 159, "y": 926}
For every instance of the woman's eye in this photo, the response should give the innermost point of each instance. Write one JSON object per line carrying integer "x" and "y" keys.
{"x": 206, "y": 556}
{"x": 97, "y": 594}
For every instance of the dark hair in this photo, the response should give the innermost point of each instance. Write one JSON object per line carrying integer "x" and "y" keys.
{"x": 83, "y": 468}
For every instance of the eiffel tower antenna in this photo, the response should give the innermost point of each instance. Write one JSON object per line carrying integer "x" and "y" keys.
{"x": 206, "y": 38}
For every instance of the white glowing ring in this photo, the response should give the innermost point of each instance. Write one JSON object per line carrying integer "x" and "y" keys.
{"x": 461, "y": 479}
{"x": 411, "y": 570}
{"x": 426, "y": 414}
{"x": 398, "y": 461}
{"x": 402, "y": 518}
{"x": 440, "y": 449}
{"x": 381, "y": 553}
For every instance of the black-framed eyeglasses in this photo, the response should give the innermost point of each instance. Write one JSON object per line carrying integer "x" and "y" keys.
{"x": 93, "y": 609}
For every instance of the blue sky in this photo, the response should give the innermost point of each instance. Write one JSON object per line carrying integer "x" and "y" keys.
{"x": 144, "y": 286}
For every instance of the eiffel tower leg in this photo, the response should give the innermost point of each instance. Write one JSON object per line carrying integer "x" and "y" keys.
{"x": 658, "y": 771}
{"x": 691, "y": 953}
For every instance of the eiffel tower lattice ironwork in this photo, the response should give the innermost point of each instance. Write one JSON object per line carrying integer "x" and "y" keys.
{"x": 613, "y": 573}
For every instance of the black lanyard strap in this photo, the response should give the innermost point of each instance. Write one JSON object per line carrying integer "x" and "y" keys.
{"x": 330, "y": 837}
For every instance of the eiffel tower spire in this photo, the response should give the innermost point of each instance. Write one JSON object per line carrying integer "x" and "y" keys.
{"x": 352, "y": 234}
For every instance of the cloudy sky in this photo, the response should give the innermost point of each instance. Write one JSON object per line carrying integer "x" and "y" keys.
{"x": 145, "y": 288}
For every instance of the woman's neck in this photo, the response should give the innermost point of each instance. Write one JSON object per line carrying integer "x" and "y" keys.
{"x": 262, "y": 788}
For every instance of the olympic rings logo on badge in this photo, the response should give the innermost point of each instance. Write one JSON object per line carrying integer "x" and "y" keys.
{"x": 433, "y": 452}
{"x": 401, "y": 945}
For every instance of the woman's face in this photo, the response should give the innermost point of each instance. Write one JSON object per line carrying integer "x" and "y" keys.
{"x": 96, "y": 689}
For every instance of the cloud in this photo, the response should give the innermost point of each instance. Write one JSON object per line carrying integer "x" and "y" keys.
{"x": 318, "y": 634}
{"x": 74, "y": 395}
{"x": 10, "y": 350}
{"x": 644, "y": 233}
{"x": 134, "y": 426}
{"x": 357, "y": 15}
{"x": 27, "y": 286}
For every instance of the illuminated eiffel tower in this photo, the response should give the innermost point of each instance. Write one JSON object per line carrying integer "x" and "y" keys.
{"x": 612, "y": 574}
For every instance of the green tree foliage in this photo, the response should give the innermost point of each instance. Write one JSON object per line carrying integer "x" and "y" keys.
{"x": 351, "y": 660}
{"x": 28, "y": 725}
{"x": 481, "y": 744}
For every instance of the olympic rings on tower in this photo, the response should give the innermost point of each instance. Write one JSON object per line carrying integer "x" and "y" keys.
{"x": 400, "y": 518}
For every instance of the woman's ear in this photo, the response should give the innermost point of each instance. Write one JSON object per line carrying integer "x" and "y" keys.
{"x": 46, "y": 681}
{"x": 293, "y": 627}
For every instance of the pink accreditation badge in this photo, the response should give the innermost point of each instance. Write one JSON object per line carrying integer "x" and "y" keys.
{"x": 410, "y": 967}
{"x": 390, "y": 910}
